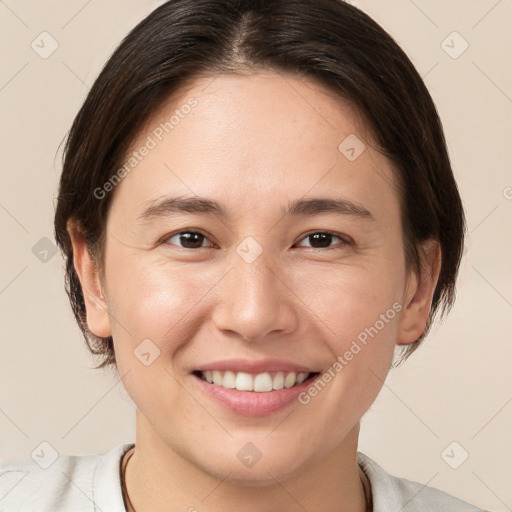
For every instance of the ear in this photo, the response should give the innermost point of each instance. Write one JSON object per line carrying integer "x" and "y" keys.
{"x": 98, "y": 321}
{"x": 418, "y": 294}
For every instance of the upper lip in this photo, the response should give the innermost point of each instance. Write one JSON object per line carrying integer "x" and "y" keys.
{"x": 254, "y": 366}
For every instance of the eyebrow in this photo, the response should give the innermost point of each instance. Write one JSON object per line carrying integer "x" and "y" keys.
{"x": 299, "y": 207}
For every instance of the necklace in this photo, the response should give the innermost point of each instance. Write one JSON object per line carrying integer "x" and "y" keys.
{"x": 130, "y": 508}
{"x": 127, "y": 502}
{"x": 368, "y": 498}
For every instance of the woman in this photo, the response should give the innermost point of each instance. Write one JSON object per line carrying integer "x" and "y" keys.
{"x": 256, "y": 207}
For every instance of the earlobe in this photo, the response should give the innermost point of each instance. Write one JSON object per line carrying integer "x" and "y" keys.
{"x": 98, "y": 321}
{"x": 419, "y": 293}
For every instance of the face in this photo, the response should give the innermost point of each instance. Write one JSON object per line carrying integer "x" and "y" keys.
{"x": 282, "y": 260}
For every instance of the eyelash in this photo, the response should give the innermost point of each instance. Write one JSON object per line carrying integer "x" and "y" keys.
{"x": 345, "y": 240}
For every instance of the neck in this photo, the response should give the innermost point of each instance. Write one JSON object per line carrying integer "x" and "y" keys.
{"x": 159, "y": 478}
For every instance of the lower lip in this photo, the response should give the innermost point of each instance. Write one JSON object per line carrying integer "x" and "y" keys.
{"x": 252, "y": 403}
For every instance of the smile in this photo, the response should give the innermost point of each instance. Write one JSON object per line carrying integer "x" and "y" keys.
{"x": 260, "y": 383}
{"x": 254, "y": 387}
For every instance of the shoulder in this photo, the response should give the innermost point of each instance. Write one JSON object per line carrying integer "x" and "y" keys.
{"x": 69, "y": 483}
{"x": 393, "y": 493}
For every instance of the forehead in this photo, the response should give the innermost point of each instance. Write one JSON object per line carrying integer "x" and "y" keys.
{"x": 259, "y": 137}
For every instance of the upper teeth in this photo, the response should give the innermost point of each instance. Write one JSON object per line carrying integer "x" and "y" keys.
{"x": 261, "y": 382}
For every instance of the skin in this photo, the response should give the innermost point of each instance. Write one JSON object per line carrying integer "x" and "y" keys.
{"x": 253, "y": 143}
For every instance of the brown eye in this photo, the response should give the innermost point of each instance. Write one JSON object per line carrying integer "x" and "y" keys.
{"x": 323, "y": 239}
{"x": 187, "y": 239}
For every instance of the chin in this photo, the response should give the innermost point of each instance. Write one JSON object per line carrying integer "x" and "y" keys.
{"x": 262, "y": 473}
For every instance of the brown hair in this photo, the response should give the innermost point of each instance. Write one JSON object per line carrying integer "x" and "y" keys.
{"x": 326, "y": 40}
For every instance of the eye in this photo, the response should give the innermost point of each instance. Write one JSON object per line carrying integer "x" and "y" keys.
{"x": 324, "y": 239}
{"x": 188, "y": 239}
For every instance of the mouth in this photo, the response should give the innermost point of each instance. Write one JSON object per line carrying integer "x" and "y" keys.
{"x": 264, "y": 382}
{"x": 254, "y": 387}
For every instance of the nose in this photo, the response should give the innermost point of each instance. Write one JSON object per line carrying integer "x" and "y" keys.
{"x": 255, "y": 301}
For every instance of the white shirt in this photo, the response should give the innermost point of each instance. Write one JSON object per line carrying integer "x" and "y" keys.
{"x": 92, "y": 483}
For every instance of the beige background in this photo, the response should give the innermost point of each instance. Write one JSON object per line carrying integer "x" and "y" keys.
{"x": 458, "y": 387}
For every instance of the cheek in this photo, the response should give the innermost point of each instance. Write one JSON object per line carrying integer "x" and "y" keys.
{"x": 359, "y": 310}
{"x": 347, "y": 300}
{"x": 154, "y": 300}
{"x": 156, "y": 309}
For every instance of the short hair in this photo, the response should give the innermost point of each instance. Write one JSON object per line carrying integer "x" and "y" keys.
{"x": 329, "y": 41}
